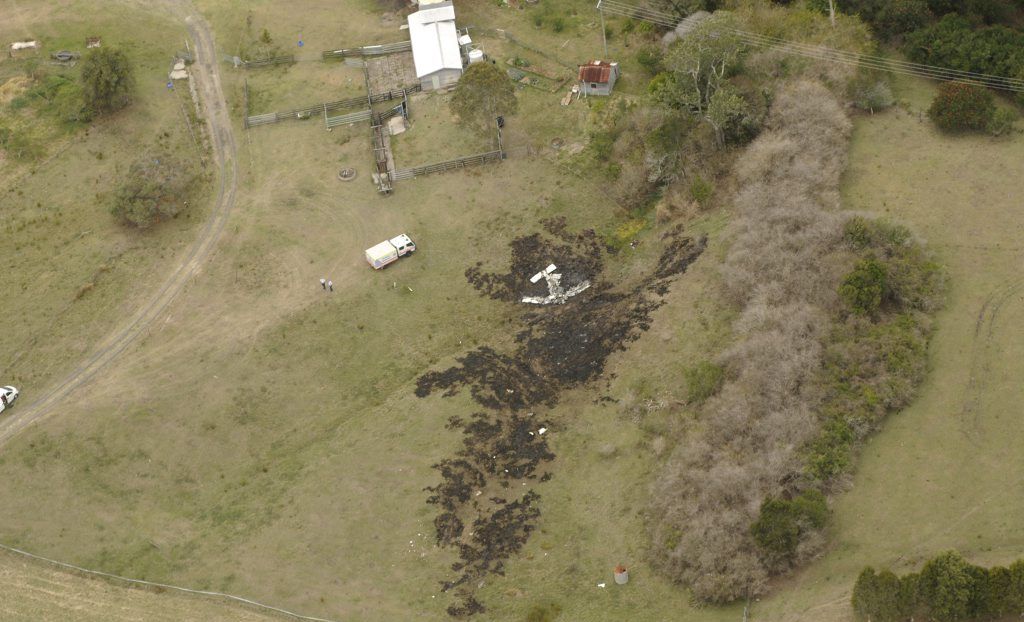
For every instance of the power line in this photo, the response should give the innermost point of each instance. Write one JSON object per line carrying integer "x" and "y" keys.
{"x": 880, "y": 63}
{"x": 824, "y": 53}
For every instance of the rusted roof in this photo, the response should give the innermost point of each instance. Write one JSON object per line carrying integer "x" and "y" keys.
{"x": 598, "y": 71}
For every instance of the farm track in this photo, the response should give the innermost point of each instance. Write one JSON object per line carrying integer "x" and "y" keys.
{"x": 984, "y": 333}
{"x": 205, "y": 73}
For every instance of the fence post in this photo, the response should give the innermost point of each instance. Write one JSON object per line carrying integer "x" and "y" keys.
{"x": 501, "y": 152}
{"x": 325, "y": 117}
{"x": 246, "y": 94}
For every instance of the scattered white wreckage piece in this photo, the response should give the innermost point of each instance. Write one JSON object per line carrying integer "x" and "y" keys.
{"x": 178, "y": 72}
{"x": 24, "y": 45}
{"x": 556, "y": 293}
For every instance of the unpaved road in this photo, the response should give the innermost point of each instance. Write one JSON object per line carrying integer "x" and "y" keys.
{"x": 222, "y": 141}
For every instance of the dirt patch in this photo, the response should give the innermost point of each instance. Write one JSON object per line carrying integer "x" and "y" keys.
{"x": 559, "y": 348}
{"x": 13, "y": 87}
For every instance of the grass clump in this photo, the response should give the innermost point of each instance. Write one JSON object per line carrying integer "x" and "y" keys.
{"x": 702, "y": 381}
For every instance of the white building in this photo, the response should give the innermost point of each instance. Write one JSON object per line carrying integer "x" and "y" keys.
{"x": 435, "y": 45}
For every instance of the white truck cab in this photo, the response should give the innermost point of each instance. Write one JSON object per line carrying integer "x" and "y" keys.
{"x": 390, "y": 250}
{"x": 7, "y": 397}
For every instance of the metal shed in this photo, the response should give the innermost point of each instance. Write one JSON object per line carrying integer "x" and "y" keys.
{"x": 598, "y": 77}
{"x": 435, "y": 45}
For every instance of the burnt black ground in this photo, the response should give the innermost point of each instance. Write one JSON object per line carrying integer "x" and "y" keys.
{"x": 560, "y": 347}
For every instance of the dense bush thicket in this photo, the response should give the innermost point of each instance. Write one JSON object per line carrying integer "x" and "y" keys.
{"x": 714, "y": 485}
{"x": 909, "y": 12}
{"x": 957, "y": 43}
{"x": 874, "y": 359}
{"x": 947, "y": 589}
{"x": 831, "y": 336}
{"x": 962, "y": 107}
{"x": 982, "y": 36}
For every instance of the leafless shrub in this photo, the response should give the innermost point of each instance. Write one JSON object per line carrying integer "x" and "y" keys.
{"x": 778, "y": 273}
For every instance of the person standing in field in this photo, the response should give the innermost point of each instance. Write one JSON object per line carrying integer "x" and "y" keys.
{"x": 323, "y": 283}
{"x": 330, "y": 285}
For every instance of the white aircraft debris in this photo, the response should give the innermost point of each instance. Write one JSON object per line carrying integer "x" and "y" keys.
{"x": 556, "y": 293}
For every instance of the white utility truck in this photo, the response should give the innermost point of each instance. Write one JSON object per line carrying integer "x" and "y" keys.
{"x": 384, "y": 253}
{"x": 7, "y": 397}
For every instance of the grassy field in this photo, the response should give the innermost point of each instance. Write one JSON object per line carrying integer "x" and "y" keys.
{"x": 37, "y": 592}
{"x": 71, "y": 271}
{"x": 264, "y": 438}
{"x": 258, "y": 438}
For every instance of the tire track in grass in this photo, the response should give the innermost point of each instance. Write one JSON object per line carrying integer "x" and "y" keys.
{"x": 222, "y": 141}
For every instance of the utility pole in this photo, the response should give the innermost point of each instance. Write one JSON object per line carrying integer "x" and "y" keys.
{"x": 832, "y": 12}
{"x": 604, "y": 33}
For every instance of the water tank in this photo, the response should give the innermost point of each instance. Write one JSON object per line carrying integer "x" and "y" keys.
{"x": 475, "y": 56}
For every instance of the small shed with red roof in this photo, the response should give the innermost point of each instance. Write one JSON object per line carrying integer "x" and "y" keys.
{"x": 598, "y": 77}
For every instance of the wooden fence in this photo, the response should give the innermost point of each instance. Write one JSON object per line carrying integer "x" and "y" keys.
{"x": 440, "y": 167}
{"x": 324, "y": 108}
{"x": 383, "y": 159}
{"x": 368, "y": 50}
{"x": 348, "y": 119}
{"x": 267, "y": 62}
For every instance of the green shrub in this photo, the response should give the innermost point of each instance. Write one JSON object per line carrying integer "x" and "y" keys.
{"x": 879, "y": 597}
{"x": 830, "y": 454}
{"x": 821, "y": 6}
{"x": 156, "y": 188}
{"x": 956, "y": 43}
{"x": 548, "y": 612}
{"x": 19, "y": 144}
{"x": 781, "y": 524}
{"x": 701, "y": 190}
{"x": 913, "y": 280}
{"x": 601, "y": 144}
{"x": 902, "y": 16}
{"x": 108, "y": 79}
{"x": 702, "y": 381}
{"x": 558, "y": 23}
{"x": 947, "y": 587}
{"x": 864, "y": 288}
{"x": 962, "y": 107}
{"x": 1002, "y": 122}
{"x": 650, "y": 58}
{"x": 871, "y": 92}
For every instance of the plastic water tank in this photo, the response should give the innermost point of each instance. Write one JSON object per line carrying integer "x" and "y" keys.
{"x": 475, "y": 56}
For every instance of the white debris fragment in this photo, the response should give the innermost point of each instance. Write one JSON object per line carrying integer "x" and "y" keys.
{"x": 556, "y": 293}
{"x": 542, "y": 431}
{"x": 600, "y": 585}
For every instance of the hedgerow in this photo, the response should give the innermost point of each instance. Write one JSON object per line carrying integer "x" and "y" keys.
{"x": 947, "y": 589}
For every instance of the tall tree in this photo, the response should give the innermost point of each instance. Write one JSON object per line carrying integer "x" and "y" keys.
{"x": 699, "y": 63}
{"x": 484, "y": 93}
{"x": 108, "y": 80}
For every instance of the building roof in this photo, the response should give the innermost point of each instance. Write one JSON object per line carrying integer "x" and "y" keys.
{"x": 597, "y": 71}
{"x": 435, "y": 41}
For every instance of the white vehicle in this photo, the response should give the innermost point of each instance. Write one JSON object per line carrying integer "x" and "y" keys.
{"x": 7, "y": 397}
{"x": 384, "y": 253}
